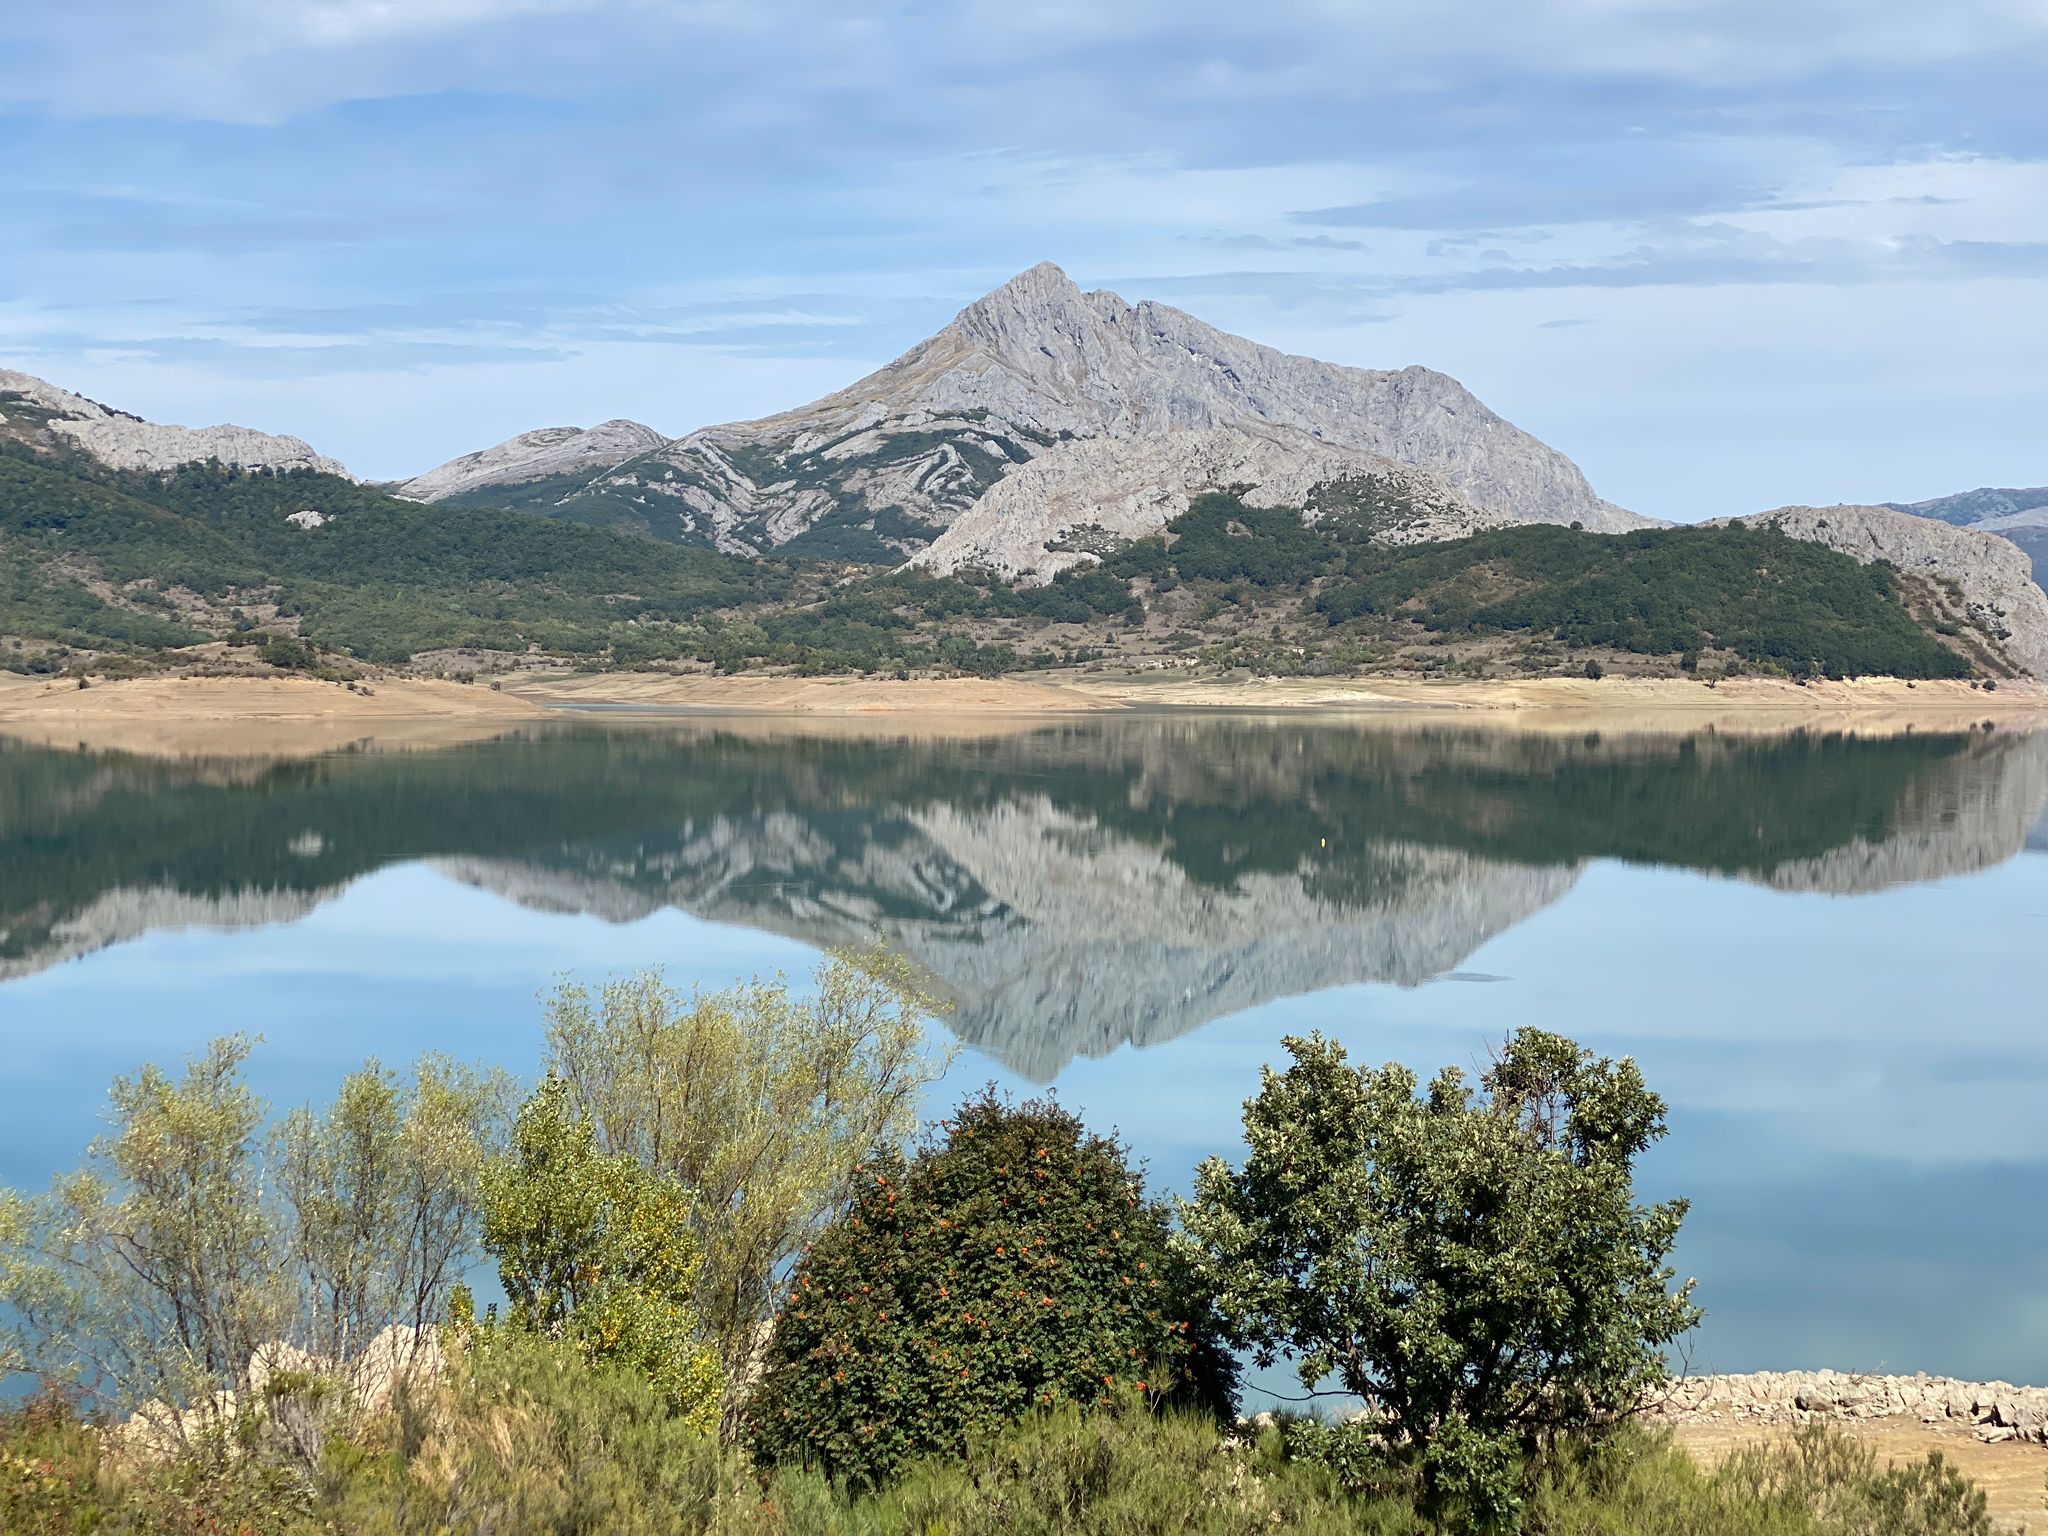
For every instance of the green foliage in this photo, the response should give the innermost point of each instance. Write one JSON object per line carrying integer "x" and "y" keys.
{"x": 1767, "y": 597}
{"x": 1221, "y": 539}
{"x": 759, "y": 1104}
{"x": 188, "y": 1240}
{"x": 528, "y": 1437}
{"x": 379, "y": 1199}
{"x": 1070, "y": 1472}
{"x": 381, "y": 579}
{"x": 1014, "y": 1264}
{"x": 595, "y": 1251}
{"x": 1817, "y": 1483}
{"x": 1474, "y": 1266}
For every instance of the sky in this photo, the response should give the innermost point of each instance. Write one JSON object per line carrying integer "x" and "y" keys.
{"x": 1727, "y": 254}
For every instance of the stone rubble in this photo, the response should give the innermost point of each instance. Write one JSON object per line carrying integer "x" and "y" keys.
{"x": 1994, "y": 1411}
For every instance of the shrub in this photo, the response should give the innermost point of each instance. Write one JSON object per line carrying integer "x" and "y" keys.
{"x": 530, "y": 1435}
{"x": 1070, "y": 1472}
{"x": 189, "y": 1240}
{"x": 759, "y": 1104}
{"x": 596, "y": 1252}
{"x": 1475, "y": 1267}
{"x": 1014, "y": 1264}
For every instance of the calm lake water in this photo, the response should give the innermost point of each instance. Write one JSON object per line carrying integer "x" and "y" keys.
{"x": 1829, "y": 955}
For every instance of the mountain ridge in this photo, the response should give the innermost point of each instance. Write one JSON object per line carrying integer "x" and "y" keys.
{"x": 541, "y": 454}
{"x": 892, "y": 461}
{"x": 2017, "y": 513}
{"x": 31, "y": 407}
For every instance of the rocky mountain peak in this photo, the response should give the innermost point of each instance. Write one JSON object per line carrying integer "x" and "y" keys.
{"x": 34, "y": 409}
{"x": 571, "y": 453}
{"x": 885, "y": 467}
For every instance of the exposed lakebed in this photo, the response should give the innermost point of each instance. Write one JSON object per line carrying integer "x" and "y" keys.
{"x": 1827, "y": 953}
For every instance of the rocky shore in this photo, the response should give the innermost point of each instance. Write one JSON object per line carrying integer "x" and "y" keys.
{"x": 1992, "y": 1411}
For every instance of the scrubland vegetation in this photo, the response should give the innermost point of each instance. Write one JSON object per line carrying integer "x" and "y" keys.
{"x": 111, "y": 566}
{"x": 735, "y": 1299}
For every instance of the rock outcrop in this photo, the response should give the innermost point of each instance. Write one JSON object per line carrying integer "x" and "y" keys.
{"x": 545, "y": 454}
{"x": 1991, "y": 577}
{"x": 30, "y": 407}
{"x": 1995, "y": 1410}
{"x": 2018, "y": 513}
{"x": 1046, "y": 515}
{"x": 904, "y": 454}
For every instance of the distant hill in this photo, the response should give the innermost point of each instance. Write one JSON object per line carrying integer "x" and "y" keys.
{"x": 1039, "y": 370}
{"x": 104, "y": 560}
{"x": 128, "y": 543}
{"x": 2018, "y": 514}
{"x": 1968, "y": 507}
{"x": 32, "y": 409}
{"x": 536, "y": 468}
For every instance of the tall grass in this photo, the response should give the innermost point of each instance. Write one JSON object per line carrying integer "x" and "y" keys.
{"x": 528, "y": 1440}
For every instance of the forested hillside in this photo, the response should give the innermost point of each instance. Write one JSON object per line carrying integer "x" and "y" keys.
{"x": 99, "y": 567}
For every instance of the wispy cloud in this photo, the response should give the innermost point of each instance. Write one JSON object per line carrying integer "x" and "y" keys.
{"x": 534, "y": 205}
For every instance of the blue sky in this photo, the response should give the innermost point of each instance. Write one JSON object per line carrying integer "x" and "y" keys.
{"x": 1725, "y": 253}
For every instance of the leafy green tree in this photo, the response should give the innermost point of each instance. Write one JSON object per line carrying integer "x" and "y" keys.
{"x": 1014, "y": 1264}
{"x": 596, "y": 1251}
{"x": 759, "y": 1103}
{"x": 189, "y": 1242}
{"x": 380, "y": 1194}
{"x": 1474, "y": 1265}
{"x": 153, "y": 1272}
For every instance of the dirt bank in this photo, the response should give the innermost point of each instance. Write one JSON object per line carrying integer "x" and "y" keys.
{"x": 189, "y": 717}
{"x": 285, "y": 717}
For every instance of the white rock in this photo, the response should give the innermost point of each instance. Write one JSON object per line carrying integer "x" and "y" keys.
{"x": 1037, "y": 364}
{"x": 122, "y": 441}
{"x": 1128, "y": 488}
{"x": 538, "y": 455}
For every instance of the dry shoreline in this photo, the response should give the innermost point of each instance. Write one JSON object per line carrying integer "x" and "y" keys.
{"x": 291, "y": 717}
{"x": 185, "y": 717}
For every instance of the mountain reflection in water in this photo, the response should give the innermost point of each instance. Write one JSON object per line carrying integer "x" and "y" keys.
{"x": 1072, "y": 888}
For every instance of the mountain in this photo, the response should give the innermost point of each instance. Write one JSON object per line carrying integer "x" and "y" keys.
{"x": 552, "y": 460}
{"x": 141, "y": 562}
{"x": 1975, "y": 586}
{"x": 33, "y": 410}
{"x": 1039, "y": 369}
{"x": 1968, "y": 507}
{"x": 2018, "y": 514}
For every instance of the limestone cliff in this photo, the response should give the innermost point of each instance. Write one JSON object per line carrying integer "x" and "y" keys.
{"x": 1037, "y": 365}
{"x": 31, "y": 408}
{"x": 545, "y": 454}
{"x": 1992, "y": 582}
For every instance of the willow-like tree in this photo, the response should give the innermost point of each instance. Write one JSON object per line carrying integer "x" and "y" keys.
{"x": 189, "y": 1241}
{"x": 1472, "y": 1264}
{"x": 761, "y": 1102}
